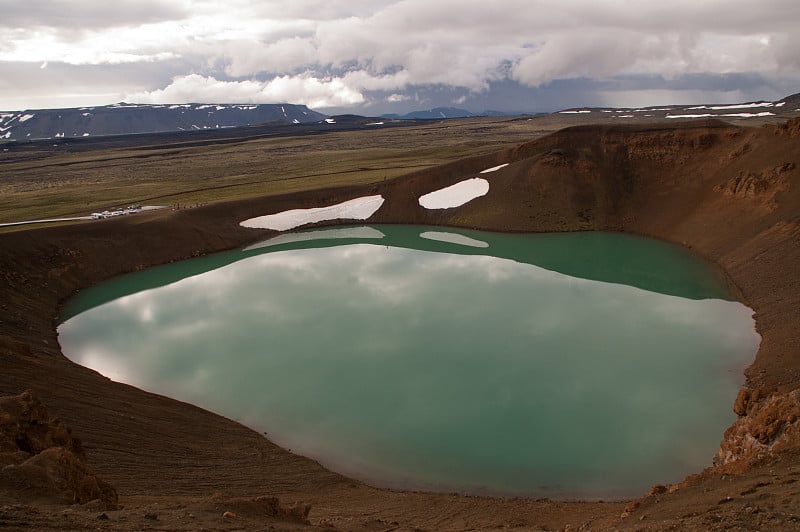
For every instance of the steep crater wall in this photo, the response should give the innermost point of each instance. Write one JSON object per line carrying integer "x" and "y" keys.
{"x": 730, "y": 194}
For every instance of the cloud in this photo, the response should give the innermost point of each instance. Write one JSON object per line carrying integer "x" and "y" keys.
{"x": 88, "y": 14}
{"x": 786, "y": 46}
{"x": 27, "y": 86}
{"x": 582, "y": 53}
{"x": 282, "y": 56}
{"x": 338, "y": 51}
{"x": 316, "y": 9}
{"x": 303, "y": 89}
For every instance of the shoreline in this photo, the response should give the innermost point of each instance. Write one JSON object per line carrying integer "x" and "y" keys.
{"x": 620, "y": 179}
{"x": 641, "y": 272}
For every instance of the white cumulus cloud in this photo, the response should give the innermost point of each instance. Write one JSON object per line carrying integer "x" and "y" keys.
{"x": 301, "y": 89}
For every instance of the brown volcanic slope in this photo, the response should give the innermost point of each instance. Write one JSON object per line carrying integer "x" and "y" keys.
{"x": 731, "y": 194}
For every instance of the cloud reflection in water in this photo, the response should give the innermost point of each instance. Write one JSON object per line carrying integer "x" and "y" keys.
{"x": 432, "y": 370}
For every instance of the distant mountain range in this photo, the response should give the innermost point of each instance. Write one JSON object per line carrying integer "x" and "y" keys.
{"x": 124, "y": 118}
{"x": 444, "y": 112}
{"x": 128, "y": 119}
{"x": 787, "y": 107}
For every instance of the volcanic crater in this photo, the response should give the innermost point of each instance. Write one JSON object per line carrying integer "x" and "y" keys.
{"x": 728, "y": 193}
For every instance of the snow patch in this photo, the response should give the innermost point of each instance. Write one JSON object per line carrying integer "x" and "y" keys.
{"x": 295, "y": 121}
{"x": 494, "y": 168}
{"x": 732, "y": 115}
{"x": 375, "y": 124}
{"x": 580, "y": 112}
{"x": 741, "y": 106}
{"x": 324, "y": 234}
{"x": 734, "y": 106}
{"x": 749, "y": 115}
{"x": 689, "y": 116}
{"x": 455, "y": 195}
{"x": 25, "y": 118}
{"x": 330, "y": 120}
{"x": 354, "y": 209}
{"x": 86, "y": 114}
{"x": 622, "y": 116}
{"x": 454, "y": 238}
{"x": 86, "y": 134}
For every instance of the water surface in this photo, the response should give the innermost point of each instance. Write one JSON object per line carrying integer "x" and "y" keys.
{"x": 584, "y": 364}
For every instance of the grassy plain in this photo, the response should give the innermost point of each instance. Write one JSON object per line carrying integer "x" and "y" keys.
{"x": 49, "y": 182}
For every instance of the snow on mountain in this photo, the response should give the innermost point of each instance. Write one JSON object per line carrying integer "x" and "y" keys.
{"x": 126, "y": 118}
{"x": 760, "y": 109}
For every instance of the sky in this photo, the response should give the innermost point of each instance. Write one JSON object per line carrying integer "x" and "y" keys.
{"x": 379, "y": 56}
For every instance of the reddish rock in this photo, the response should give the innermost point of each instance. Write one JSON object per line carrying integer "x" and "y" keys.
{"x": 26, "y": 426}
{"x": 40, "y": 457}
{"x": 767, "y": 423}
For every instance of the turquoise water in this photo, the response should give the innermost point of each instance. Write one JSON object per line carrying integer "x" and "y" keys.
{"x": 584, "y": 364}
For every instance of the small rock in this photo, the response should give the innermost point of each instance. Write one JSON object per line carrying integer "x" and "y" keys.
{"x": 151, "y": 516}
{"x": 629, "y": 509}
{"x": 230, "y": 515}
{"x": 658, "y": 489}
{"x": 103, "y": 517}
{"x": 95, "y": 504}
